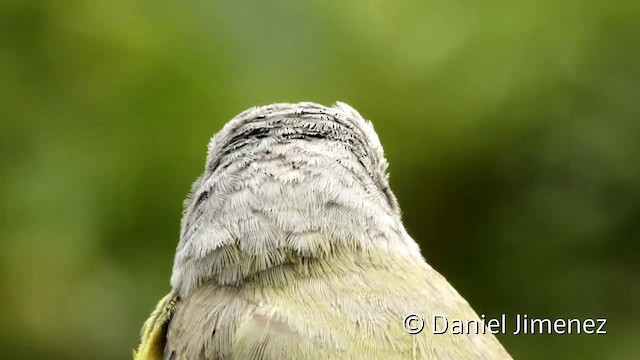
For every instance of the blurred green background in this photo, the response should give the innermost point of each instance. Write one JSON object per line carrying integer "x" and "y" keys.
{"x": 512, "y": 129}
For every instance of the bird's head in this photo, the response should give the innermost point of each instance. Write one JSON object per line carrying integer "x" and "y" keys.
{"x": 283, "y": 182}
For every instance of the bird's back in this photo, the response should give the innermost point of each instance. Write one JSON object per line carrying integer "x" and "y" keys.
{"x": 337, "y": 308}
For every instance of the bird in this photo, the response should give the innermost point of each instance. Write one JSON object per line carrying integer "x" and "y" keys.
{"x": 292, "y": 246}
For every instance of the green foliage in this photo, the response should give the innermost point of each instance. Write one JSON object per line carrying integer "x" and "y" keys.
{"x": 511, "y": 128}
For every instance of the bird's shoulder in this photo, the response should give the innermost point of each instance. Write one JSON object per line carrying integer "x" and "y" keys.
{"x": 354, "y": 313}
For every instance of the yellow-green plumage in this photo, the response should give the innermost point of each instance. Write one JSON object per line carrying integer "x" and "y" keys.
{"x": 154, "y": 330}
{"x": 292, "y": 247}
